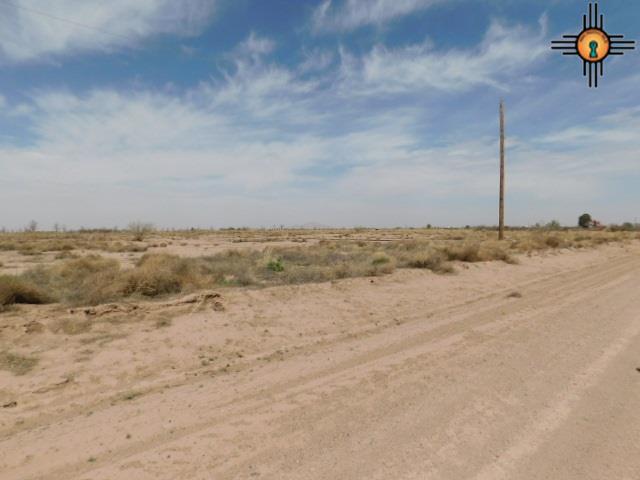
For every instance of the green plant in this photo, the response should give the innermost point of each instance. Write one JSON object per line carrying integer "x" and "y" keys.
{"x": 275, "y": 265}
{"x": 380, "y": 258}
{"x": 585, "y": 220}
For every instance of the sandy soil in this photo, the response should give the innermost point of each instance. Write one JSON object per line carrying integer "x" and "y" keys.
{"x": 501, "y": 371}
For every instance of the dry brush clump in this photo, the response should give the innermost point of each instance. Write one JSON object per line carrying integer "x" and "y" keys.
{"x": 92, "y": 279}
{"x": 140, "y": 230}
{"x": 478, "y": 252}
{"x": 15, "y": 290}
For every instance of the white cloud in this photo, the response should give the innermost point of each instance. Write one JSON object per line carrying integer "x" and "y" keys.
{"x": 185, "y": 151}
{"x": 316, "y": 61}
{"x": 257, "y": 88}
{"x": 110, "y": 138}
{"x": 255, "y": 46}
{"x": 504, "y": 51}
{"x": 352, "y": 14}
{"x": 265, "y": 146}
{"x": 35, "y": 30}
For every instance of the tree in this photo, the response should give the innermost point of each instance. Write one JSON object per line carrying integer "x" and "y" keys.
{"x": 628, "y": 227}
{"x": 32, "y": 227}
{"x": 553, "y": 225}
{"x": 585, "y": 220}
{"x": 140, "y": 230}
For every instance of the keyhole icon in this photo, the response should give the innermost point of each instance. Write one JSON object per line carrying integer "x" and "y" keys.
{"x": 594, "y": 49}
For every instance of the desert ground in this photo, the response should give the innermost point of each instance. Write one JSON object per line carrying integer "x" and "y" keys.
{"x": 336, "y": 354}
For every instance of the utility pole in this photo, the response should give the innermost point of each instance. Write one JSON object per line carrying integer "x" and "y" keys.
{"x": 501, "y": 220}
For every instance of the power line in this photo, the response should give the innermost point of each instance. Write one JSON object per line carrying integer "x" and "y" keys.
{"x": 66, "y": 20}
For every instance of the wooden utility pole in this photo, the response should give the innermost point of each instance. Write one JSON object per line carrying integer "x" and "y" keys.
{"x": 501, "y": 220}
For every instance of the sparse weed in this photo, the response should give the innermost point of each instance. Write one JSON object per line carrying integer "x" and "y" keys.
{"x": 80, "y": 279}
{"x": 17, "y": 364}
{"x": 70, "y": 326}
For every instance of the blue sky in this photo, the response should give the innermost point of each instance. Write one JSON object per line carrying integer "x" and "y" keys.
{"x": 217, "y": 113}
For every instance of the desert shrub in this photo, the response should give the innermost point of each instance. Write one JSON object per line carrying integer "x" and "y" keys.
{"x": 553, "y": 242}
{"x": 91, "y": 280}
{"x": 307, "y": 274}
{"x": 14, "y": 290}
{"x": 160, "y": 274}
{"x": 466, "y": 253}
{"x": 275, "y": 265}
{"x": 29, "y": 250}
{"x": 231, "y": 267}
{"x": 380, "y": 267}
{"x": 65, "y": 255}
{"x": 119, "y": 247}
{"x": 434, "y": 261}
{"x": 625, "y": 227}
{"x": 494, "y": 252}
{"x": 380, "y": 258}
{"x": 8, "y": 246}
{"x": 139, "y": 230}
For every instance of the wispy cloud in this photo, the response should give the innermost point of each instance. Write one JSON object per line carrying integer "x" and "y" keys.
{"x": 352, "y": 14}
{"x": 29, "y": 32}
{"x": 270, "y": 143}
{"x": 316, "y": 60}
{"x": 255, "y": 46}
{"x": 504, "y": 51}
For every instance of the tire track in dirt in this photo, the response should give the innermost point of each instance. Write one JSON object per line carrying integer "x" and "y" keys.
{"x": 596, "y": 278}
{"x": 195, "y": 376}
{"x": 551, "y": 418}
{"x": 424, "y": 357}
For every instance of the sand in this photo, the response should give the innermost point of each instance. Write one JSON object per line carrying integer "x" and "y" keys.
{"x": 500, "y": 371}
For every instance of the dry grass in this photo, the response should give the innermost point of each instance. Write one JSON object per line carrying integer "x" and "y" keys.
{"x": 31, "y": 244}
{"x": 17, "y": 364}
{"x": 92, "y": 279}
{"x": 70, "y": 326}
{"x": 14, "y": 290}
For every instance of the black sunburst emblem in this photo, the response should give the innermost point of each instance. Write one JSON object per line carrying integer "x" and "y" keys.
{"x": 593, "y": 45}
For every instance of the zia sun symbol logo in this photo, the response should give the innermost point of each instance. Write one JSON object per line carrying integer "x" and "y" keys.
{"x": 593, "y": 45}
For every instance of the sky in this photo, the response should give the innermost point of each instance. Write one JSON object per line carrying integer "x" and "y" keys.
{"x": 380, "y": 113}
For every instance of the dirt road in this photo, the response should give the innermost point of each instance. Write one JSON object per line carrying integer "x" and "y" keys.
{"x": 499, "y": 372}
